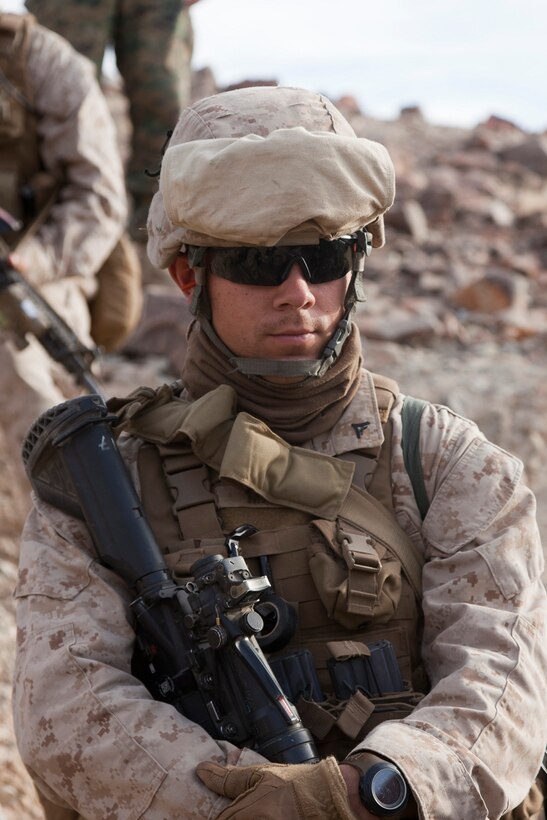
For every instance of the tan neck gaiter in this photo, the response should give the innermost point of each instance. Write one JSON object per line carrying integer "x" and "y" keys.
{"x": 296, "y": 412}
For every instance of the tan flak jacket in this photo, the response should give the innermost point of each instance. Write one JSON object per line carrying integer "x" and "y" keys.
{"x": 95, "y": 740}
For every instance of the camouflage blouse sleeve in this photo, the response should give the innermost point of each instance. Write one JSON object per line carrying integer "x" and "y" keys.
{"x": 89, "y": 732}
{"x": 78, "y": 144}
{"x": 474, "y": 744}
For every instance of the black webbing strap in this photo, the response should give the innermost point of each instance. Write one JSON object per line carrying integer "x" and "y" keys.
{"x": 543, "y": 772}
{"x": 411, "y": 416}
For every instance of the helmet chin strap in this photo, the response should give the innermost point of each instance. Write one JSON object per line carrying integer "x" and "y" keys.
{"x": 284, "y": 367}
{"x": 302, "y": 368}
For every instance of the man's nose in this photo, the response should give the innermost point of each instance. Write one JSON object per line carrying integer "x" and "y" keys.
{"x": 295, "y": 288}
{"x": 300, "y": 263}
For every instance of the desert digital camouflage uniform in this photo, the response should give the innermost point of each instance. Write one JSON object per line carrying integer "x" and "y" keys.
{"x": 77, "y": 145}
{"x": 153, "y": 42}
{"x": 471, "y": 742}
{"x": 105, "y": 748}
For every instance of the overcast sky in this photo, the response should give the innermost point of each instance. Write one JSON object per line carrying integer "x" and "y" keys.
{"x": 459, "y": 60}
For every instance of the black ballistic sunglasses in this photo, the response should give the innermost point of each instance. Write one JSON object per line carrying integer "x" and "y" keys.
{"x": 269, "y": 267}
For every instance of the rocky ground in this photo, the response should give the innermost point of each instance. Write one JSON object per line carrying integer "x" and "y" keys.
{"x": 456, "y": 312}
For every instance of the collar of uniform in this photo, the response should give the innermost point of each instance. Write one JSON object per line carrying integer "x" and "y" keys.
{"x": 358, "y": 428}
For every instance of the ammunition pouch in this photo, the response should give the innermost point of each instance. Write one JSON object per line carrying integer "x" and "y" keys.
{"x": 368, "y": 689}
{"x": 358, "y": 581}
{"x": 116, "y": 307}
{"x": 338, "y": 726}
{"x": 372, "y": 669}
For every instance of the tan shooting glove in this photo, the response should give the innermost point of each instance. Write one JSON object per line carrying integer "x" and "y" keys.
{"x": 275, "y": 790}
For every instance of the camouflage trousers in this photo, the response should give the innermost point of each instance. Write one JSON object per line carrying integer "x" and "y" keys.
{"x": 153, "y": 42}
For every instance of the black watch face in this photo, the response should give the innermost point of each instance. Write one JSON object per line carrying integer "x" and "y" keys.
{"x": 389, "y": 789}
{"x": 383, "y": 790}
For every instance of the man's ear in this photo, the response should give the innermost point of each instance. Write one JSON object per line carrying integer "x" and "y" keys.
{"x": 182, "y": 275}
{"x": 177, "y": 269}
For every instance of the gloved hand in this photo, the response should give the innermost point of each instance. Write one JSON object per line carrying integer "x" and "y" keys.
{"x": 276, "y": 790}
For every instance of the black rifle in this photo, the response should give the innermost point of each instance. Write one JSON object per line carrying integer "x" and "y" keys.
{"x": 199, "y": 639}
{"x": 23, "y": 310}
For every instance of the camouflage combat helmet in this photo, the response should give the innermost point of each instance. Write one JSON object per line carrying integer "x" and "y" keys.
{"x": 269, "y": 166}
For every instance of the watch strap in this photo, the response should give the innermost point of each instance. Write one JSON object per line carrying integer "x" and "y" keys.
{"x": 364, "y": 760}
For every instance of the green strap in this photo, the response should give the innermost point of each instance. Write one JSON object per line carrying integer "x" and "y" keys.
{"x": 411, "y": 416}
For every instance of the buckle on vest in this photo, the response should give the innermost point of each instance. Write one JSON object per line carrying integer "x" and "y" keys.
{"x": 364, "y": 565}
{"x": 190, "y": 488}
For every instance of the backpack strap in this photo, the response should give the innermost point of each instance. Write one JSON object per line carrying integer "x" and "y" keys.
{"x": 411, "y": 415}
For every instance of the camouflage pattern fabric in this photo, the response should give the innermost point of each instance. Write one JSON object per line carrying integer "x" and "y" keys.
{"x": 274, "y": 112}
{"x": 469, "y": 749}
{"x": 153, "y": 42}
{"x": 77, "y": 142}
{"x": 62, "y": 257}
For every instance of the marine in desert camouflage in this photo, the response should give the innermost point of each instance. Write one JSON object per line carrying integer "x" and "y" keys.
{"x": 277, "y": 423}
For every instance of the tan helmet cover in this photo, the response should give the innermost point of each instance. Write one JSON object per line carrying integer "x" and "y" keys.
{"x": 266, "y": 166}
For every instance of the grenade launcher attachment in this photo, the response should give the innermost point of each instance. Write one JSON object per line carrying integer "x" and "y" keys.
{"x": 198, "y": 640}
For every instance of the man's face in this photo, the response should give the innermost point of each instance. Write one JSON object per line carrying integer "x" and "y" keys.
{"x": 293, "y": 320}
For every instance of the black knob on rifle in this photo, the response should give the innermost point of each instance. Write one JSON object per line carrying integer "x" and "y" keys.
{"x": 251, "y": 623}
{"x": 217, "y": 637}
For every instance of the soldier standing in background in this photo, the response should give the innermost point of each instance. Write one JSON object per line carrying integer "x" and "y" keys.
{"x": 153, "y": 42}
{"x": 61, "y": 176}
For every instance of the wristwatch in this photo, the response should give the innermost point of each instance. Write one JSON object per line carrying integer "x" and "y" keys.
{"x": 383, "y": 789}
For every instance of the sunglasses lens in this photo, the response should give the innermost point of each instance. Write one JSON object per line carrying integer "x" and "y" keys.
{"x": 269, "y": 267}
{"x": 327, "y": 261}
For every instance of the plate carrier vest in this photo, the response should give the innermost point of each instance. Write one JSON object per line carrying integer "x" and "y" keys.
{"x": 353, "y": 578}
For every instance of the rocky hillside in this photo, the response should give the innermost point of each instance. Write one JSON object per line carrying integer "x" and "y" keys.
{"x": 456, "y": 312}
